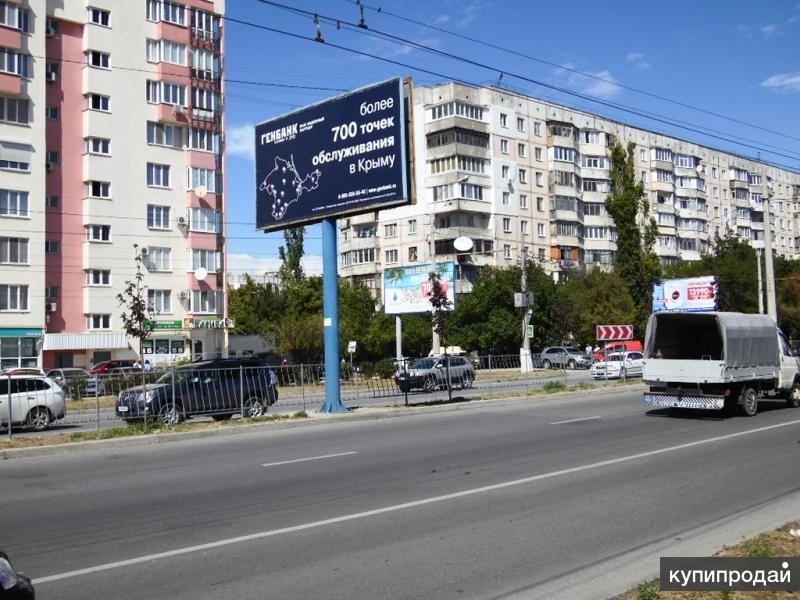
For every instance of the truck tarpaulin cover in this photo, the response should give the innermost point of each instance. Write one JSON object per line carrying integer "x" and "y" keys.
{"x": 738, "y": 339}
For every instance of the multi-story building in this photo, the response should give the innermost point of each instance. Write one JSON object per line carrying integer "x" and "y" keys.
{"x": 522, "y": 176}
{"x": 110, "y": 148}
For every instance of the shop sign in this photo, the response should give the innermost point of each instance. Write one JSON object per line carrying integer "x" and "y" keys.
{"x": 211, "y": 324}
{"x": 162, "y": 325}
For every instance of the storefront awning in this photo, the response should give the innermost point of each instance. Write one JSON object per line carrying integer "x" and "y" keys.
{"x": 85, "y": 341}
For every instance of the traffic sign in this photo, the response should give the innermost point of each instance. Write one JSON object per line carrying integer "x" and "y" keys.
{"x": 351, "y": 346}
{"x": 609, "y": 333}
{"x": 530, "y": 331}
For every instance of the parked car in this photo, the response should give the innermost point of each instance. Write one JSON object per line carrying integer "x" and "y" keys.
{"x": 71, "y": 379}
{"x": 109, "y": 382}
{"x": 212, "y": 387}
{"x": 430, "y": 373}
{"x": 22, "y": 371}
{"x": 35, "y": 401}
{"x": 619, "y": 365}
{"x": 562, "y": 357}
{"x": 104, "y": 366}
{"x": 620, "y": 346}
{"x": 13, "y": 584}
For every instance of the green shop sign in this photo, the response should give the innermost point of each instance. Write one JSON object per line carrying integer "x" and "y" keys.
{"x": 161, "y": 325}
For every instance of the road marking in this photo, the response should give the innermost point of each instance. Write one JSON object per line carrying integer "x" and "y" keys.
{"x": 575, "y": 420}
{"x": 297, "y": 460}
{"x": 398, "y": 507}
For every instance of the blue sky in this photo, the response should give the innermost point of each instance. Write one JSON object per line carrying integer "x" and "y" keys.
{"x": 738, "y": 58}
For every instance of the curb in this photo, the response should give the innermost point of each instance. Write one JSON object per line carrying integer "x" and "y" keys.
{"x": 317, "y": 420}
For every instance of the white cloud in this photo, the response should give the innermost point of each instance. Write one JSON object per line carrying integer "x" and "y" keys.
{"x": 469, "y": 14}
{"x": 744, "y": 30}
{"x": 783, "y": 82}
{"x": 638, "y": 63}
{"x": 771, "y": 31}
{"x": 634, "y": 56}
{"x": 241, "y": 263}
{"x": 607, "y": 88}
{"x": 240, "y": 140}
{"x": 441, "y": 19}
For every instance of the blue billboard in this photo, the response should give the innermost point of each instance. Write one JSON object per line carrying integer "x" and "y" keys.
{"x": 408, "y": 289}
{"x": 342, "y": 156}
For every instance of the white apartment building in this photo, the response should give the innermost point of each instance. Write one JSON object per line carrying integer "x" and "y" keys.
{"x": 519, "y": 175}
{"x": 111, "y": 124}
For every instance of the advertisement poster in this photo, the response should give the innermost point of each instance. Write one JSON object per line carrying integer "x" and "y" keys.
{"x": 342, "y": 156}
{"x": 697, "y": 294}
{"x": 408, "y": 289}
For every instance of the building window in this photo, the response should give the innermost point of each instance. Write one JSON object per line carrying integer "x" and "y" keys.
{"x": 98, "y": 233}
{"x": 159, "y": 259}
{"x": 521, "y": 150}
{"x": 392, "y": 256}
{"x": 95, "y": 145}
{"x": 13, "y": 297}
{"x": 507, "y": 251}
{"x": 157, "y": 216}
{"x": 98, "y": 16}
{"x": 506, "y": 196}
{"x": 52, "y": 201}
{"x": 51, "y": 112}
{"x": 390, "y": 230}
{"x": 540, "y": 229}
{"x": 98, "y": 321}
{"x": 539, "y": 179}
{"x": 164, "y": 92}
{"x": 523, "y": 227}
{"x": 101, "y": 60}
{"x": 205, "y": 220}
{"x": 165, "y": 51}
{"x": 98, "y": 102}
{"x": 642, "y": 154}
{"x": 537, "y": 129}
{"x": 160, "y": 134}
{"x": 540, "y": 204}
{"x": 412, "y": 254}
{"x": 13, "y": 251}
{"x": 520, "y": 124}
{"x": 15, "y": 110}
{"x": 412, "y": 226}
{"x": 523, "y": 201}
{"x": 15, "y": 165}
{"x": 50, "y": 247}
{"x": 98, "y": 277}
{"x": 503, "y": 120}
{"x": 470, "y": 191}
{"x": 51, "y": 156}
{"x": 714, "y": 172}
{"x": 523, "y": 176}
{"x": 457, "y": 107}
{"x": 99, "y": 189}
{"x": 14, "y": 62}
{"x": 157, "y": 175}
{"x": 160, "y": 301}
{"x": 504, "y": 146}
{"x": 51, "y": 292}
{"x": 541, "y": 255}
{"x": 204, "y": 139}
{"x": 504, "y": 171}
{"x": 202, "y": 177}
{"x": 161, "y": 10}
{"x": 205, "y": 25}
{"x": 13, "y": 203}
{"x": 14, "y": 16}
{"x": 205, "y": 301}
{"x": 506, "y": 225}
{"x": 210, "y": 260}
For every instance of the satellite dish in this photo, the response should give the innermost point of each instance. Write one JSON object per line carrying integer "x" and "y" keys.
{"x": 200, "y": 191}
{"x": 200, "y": 273}
{"x": 699, "y": 168}
{"x": 463, "y": 244}
{"x": 677, "y": 206}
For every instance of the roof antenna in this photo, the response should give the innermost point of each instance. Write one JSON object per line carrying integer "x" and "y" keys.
{"x": 362, "y": 23}
{"x": 319, "y": 37}
{"x": 500, "y": 79}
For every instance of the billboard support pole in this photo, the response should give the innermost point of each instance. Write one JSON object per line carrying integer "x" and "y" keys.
{"x": 398, "y": 341}
{"x": 330, "y": 313}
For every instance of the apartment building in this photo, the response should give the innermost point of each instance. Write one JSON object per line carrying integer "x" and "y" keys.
{"x": 521, "y": 176}
{"x": 111, "y": 146}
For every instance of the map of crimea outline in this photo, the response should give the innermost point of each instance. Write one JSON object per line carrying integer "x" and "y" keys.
{"x": 285, "y": 185}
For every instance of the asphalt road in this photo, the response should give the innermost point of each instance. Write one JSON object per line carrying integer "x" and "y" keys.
{"x": 503, "y": 500}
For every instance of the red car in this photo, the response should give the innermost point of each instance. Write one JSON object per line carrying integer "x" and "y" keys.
{"x": 104, "y": 366}
{"x": 621, "y": 346}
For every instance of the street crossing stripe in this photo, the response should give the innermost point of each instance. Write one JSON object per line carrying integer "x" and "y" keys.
{"x": 398, "y": 507}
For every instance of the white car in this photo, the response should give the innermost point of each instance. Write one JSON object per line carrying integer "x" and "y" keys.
{"x": 619, "y": 365}
{"x": 35, "y": 401}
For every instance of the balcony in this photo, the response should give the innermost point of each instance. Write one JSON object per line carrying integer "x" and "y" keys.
{"x": 443, "y": 207}
{"x": 10, "y": 85}
{"x": 662, "y": 165}
{"x": 738, "y": 184}
{"x": 456, "y": 121}
{"x": 208, "y": 40}
{"x": 566, "y": 214}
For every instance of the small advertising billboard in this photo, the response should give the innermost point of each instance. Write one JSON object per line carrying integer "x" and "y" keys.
{"x": 408, "y": 289}
{"x": 343, "y": 156}
{"x": 696, "y": 294}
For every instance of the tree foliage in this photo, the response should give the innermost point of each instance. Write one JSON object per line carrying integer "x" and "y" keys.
{"x": 597, "y": 298}
{"x": 635, "y": 261}
{"x": 137, "y": 318}
{"x": 291, "y": 269}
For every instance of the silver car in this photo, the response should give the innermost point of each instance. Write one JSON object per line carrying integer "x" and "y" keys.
{"x": 430, "y": 373}
{"x": 35, "y": 401}
{"x": 563, "y": 357}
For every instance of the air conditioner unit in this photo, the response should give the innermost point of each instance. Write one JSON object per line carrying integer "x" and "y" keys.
{"x": 50, "y": 307}
{"x": 182, "y": 295}
{"x": 48, "y": 166}
{"x": 181, "y": 221}
{"x": 144, "y": 250}
{"x": 177, "y": 109}
{"x": 52, "y": 76}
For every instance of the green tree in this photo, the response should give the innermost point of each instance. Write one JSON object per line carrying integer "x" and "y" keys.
{"x": 635, "y": 261}
{"x": 596, "y": 298}
{"x": 253, "y": 305}
{"x": 356, "y": 311}
{"x": 291, "y": 269}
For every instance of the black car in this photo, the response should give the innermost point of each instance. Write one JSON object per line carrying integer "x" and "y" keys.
{"x": 216, "y": 388}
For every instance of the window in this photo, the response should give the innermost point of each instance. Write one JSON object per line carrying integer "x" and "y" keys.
{"x": 714, "y": 172}
{"x": 358, "y": 257}
{"x": 210, "y": 260}
{"x": 442, "y": 165}
{"x": 166, "y": 51}
{"x": 457, "y": 107}
{"x": 507, "y": 251}
{"x": 13, "y": 203}
{"x": 98, "y": 59}
{"x": 472, "y": 164}
{"x": 523, "y": 201}
{"x": 522, "y": 150}
{"x": 540, "y": 204}
{"x": 51, "y": 157}
{"x": 15, "y": 110}
{"x": 561, "y": 130}
{"x": 157, "y": 175}
{"x": 596, "y": 162}
{"x": 412, "y": 254}
{"x": 471, "y": 191}
{"x": 540, "y": 229}
{"x": 205, "y": 25}
{"x": 98, "y": 16}
{"x": 98, "y": 233}
{"x": 539, "y": 179}
{"x": 412, "y": 227}
{"x": 204, "y": 65}
{"x": 99, "y": 189}
{"x": 503, "y": 120}
{"x": 202, "y": 177}
{"x": 205, "y": 301}
{"x": 204, "y": 219}
{"x": 15, "y": 165}
{"x": 13, "y": 251}
{"x": 98, "y": 102}
{"x": 684, "y": 161}
{"x": 715, "y": 192}
{"x": 537, "y": 129}
{"x": 523, "y": 176}
{"x": 157, "y": 216}
{"x": 164, "y": 92}
{"x": 442, "y": 192}
{"x": 523, "y": 227}
{"x": 14, "y": 16}
{"x": 664, "y": 176}
{"x": 506, "y": 225}
{"x": 95, "y": 277}
{"x": 204, "y": 139}
{"x": 591, "y": 137}
{"x": 504, "y": 146}
{"x": 13, "y": 297}
{"x": 14, "y": 62}
{"x": 160, "y": 134}
{"x": 504, "y": 171}
{"x": 98, "y": 321}
{"x": 51, "y": 112}
{"x": 95, "y": 145}
{"x": 662, "y": 154}
{"x": 563, "y": 154}
{"x": 51, "y": 292}
{"x": 51, "y": 71}
{"x": 160, "y": 301}
{"x": 161, "y": 10}
{"x": 537, "y": 153}
{"x": 593, "y": 209}
{"x": 50, "y": 247}
{"x": 506, "y": 197}
{"x": 520, "y": 124}
{"x": 390, "y": 230}
{"x": 541, "y": 255}
{"x": 52, "y": 201}
{"x": 159, "y": 259}
{"x": 392, "y": 256}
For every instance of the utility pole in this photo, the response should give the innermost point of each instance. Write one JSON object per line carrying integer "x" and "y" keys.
{"x": 437, "y": 346}
{"x": 525, "y": 352}
{"x": 772, "y": 309}
{"x": 760, "y": 283}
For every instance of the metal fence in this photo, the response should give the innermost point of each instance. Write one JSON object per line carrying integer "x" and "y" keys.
{"x": 194, "y": 392}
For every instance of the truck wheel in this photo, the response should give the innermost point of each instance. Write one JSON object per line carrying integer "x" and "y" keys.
{"x": 748, "y": 404}
{"x": 793, "y": 399}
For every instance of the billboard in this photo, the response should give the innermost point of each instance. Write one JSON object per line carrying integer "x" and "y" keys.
{"x": 697, "y": 294}
{"x": 408, "y": 290}
{"x": 342, "y": 156}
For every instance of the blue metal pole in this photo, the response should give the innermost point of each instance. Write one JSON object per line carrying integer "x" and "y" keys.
{"x": 330, "y": 313}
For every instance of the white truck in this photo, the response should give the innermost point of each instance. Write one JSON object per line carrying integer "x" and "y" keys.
{"x": 718, "y": 361}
